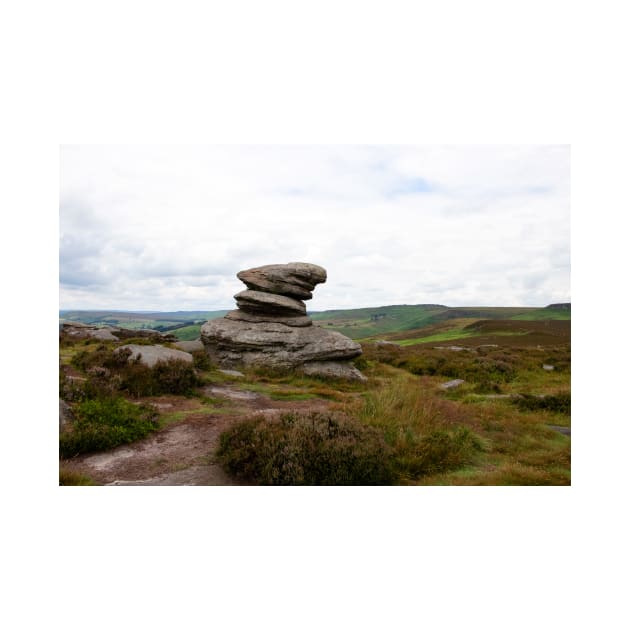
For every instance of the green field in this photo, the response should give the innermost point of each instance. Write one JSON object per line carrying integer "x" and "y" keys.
{"x": 440, "y": 323}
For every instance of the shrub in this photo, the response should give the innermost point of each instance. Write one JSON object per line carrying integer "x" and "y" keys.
{"x": 104, "y": 424}
{"x": 560, "y": 403}
{"x": 165, "y": 377}
{"x": 201, "y": 360}
{"x": 109, "y": 371}
{"x": 442, "y": 450}
{"x": 312, "y": 449}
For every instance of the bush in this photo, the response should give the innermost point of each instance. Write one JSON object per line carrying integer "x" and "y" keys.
{"x": 201, "y": 360}
{"x": 104, "y": 424}
{"x": 442, "y": 450}
{"x": 313, "y": 449}
{"x": 166, "y": 377}
{"x": 560, "y": 403}
{"x": 108, "y": 371}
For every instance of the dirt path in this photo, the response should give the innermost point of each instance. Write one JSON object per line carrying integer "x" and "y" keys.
{"x": 182, "y": 454}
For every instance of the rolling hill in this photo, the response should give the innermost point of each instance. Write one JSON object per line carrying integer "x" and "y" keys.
{"x": 396, "y": 322}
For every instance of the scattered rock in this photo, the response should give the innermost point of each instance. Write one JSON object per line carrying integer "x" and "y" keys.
{"x": 104, "y": 334}
{"x": 150, "y": 355}
{"x": 451, "y": 384}
{"x": 232, "y": 394}
{"x": 333, "y": 369}
{"x": 549, "y": 368}
{"x": 560, "y": 429}
{"x": 189, "y": 346}
{"x": 232, "y": 373}
{"x": 382, "y": 342}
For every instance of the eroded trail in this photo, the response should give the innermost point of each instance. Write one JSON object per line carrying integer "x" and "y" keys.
{"x": 181, "y": 454}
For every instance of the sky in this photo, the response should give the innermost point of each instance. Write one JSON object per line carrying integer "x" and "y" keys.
{"x": 167, "y": 228}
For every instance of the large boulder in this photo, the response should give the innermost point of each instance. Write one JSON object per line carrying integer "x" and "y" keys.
{"x": 293, "y": 279}
{"x": 150, "y": 355}
{"x": 270, "y": 326}
{"x": 232, "y": 343}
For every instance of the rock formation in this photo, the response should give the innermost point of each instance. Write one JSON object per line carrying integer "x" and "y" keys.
{"x": 270, "y": 326}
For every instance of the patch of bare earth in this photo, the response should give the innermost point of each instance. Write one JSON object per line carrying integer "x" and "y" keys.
{"x": 181, "y": 454}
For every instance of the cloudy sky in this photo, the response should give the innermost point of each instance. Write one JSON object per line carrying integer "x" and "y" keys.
{"x": 168, "y": 227}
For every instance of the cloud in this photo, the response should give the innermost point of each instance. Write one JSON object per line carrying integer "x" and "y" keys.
{"x": 169, "y": 227}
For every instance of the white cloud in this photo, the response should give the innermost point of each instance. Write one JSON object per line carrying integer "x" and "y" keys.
{"x": 169, "y": 227}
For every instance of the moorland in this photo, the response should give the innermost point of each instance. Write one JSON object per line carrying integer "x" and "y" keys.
{"x": 454, "y": 396}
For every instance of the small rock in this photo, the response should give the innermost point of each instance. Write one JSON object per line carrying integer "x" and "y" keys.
{"x": 451, "y": 384}
{"x": 334, "y": 369}
{"x": 104, "y": 334}
{"x": 548, "y": 367}
{"x": 232, "y": 373}
{"x": 150, "y": 355}
{"x": 189, "y": 346}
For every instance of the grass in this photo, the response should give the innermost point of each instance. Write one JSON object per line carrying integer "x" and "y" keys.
{"x": 104, "y": 424}
{"x": 430, "y": 436}
{"x": 445, "y": 336}
{"x": 71, "y": 478}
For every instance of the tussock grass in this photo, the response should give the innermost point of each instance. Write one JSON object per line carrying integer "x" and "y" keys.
{"x": 71, "y": 478}
{"x": 427, "y": 434}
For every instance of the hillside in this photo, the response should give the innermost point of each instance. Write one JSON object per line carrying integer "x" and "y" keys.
{"x": 418, "y": 320}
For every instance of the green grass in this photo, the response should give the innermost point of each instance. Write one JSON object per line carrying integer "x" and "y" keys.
{"x": 544, "y": 313}
{"x": 445, "y": 336}
{"x": 187, "y": 333}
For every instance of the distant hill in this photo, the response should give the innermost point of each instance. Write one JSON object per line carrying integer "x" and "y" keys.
{"x": 356, "y": 323}
{"x": 183, "y": 324}
{"x": 362, "y": 323}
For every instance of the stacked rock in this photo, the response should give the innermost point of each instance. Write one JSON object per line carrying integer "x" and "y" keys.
{"x": 270, "y": 326}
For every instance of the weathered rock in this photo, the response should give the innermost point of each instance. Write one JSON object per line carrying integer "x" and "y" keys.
{"x": 150, "y": 355}
{"x": 269, "y": 303}
{"x": 79, "y": 330}
{"x": 298, "y": 320}
{"x": 293, "y": 279}
{"x": 104, "y": 334}
{"x": 232, "y": 343}
{"x": 189, "y": 346}
{"x": 270, "y": 328}
{"x": 235, "y": 373}
{"x": 456, "y": 382}
{"x": 333, "y": 369}
{"x": 548, "y": 368}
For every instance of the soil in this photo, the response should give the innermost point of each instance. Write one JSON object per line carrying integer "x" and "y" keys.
{"x": 182, "y": 454}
